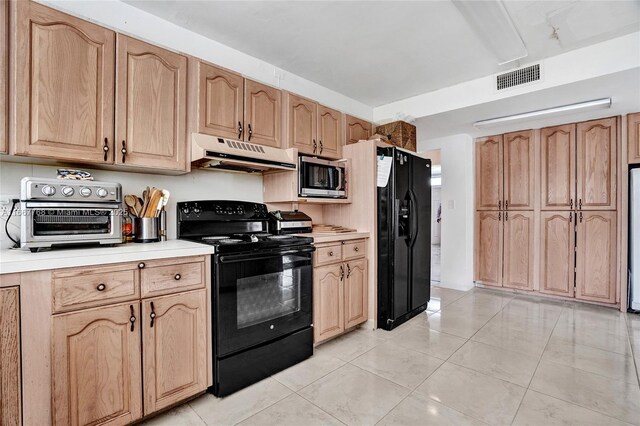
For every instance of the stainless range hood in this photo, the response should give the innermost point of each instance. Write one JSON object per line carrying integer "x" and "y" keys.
{"x": 215, "y": 153}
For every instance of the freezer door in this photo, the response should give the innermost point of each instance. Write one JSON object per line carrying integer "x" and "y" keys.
{"x": 420, "y": 238}
{"x": 402, "y": 233}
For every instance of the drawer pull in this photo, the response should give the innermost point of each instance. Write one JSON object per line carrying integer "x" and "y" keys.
{"x": 356, "y": 248}
{"x": 101, "y": 287}
{"x": 132, "y": 318}
{"x": 341, "y": 272}
{"x": 177, "y": 277}
{"x": 152, "y": 315}
{"x": 331, "y": 253}
{"x": 141, "y": 265}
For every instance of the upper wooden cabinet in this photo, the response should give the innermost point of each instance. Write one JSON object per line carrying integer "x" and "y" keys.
{"x": 262, "y": 114}
{"x": 596, "y": 259}
{"x": 518, "y": 250}
{"x": 633, "y": 137}
{"x": 488, "y": 248}
{"x": 313, "y": 129}
{"x": 219, "y": 95}
{"x": 518, "y": 170}
{"x": 10, "y": 398}
{"x": 96, "y": 366}
{"x": 557, "y": 261}
{"x": 151, "y": 115}
{"x": 4, "y": 77}
{"x": 596, "y": 164}
{"x": 356, "y": 129}
{"x": 558, "y": 167}
{"x": 63, "y": 85}
{"x": 489, "y": 172}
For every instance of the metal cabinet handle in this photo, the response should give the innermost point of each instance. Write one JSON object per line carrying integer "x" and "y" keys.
{"x": 571, "y": 203}
{"x": 321, "y": 147}
{"x": 580, "y": 203}
{"x": 570, "y": 217}
{"x": 124, "y": 151}
{"x": 152, "y": 315}
{"x": 101, "y": 287}
{"x": 348, "y": 270}
{"x": 132, "y": 318}
{"x": 105, "y": 148}
{"x": 240, "y": 129}
{"x": 177, "y": 277}
{"x": 141, "y": 265}
{"x": 356, "y": 248}
{"x": 315, "y": 146}
{"x": 506, "y": 204}
{"x": 499, "y": 204}
{"x": 499, "y": 216}
{"x": 506, "y": 216}
{"x": 580, "y": 217}
{"x": 341, "y": 272}
{"x": 250, "y": 132}
{"x": 330, "y": 253}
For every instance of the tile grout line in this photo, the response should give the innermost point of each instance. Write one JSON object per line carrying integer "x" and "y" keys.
{"x": 633, "y": 349}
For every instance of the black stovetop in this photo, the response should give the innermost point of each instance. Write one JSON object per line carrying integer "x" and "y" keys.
{"x": 238, "y": 243}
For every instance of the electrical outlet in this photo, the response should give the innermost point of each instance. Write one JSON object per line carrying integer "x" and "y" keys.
{"x": 7, "y": 199}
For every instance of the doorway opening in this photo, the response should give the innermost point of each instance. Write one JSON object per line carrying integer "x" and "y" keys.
{"x": 436, "y": 217}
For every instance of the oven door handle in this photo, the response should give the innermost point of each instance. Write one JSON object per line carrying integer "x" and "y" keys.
{"x": 263, "y": 255}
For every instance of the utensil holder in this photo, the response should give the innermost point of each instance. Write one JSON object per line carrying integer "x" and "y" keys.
{"x": 146, "y": 229}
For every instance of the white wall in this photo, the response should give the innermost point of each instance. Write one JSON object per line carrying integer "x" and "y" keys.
{"x": 197, "y": 185}
{"x": 457, "y": 208}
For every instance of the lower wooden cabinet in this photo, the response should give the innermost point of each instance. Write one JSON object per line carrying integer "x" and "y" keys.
{"x": 96, "y": 366}
{"x": 10, "y": 405}
{"x": 488, "y": 248}
{"x": 174, "y": 348}
{"x": 557, "y": 253}
{"x": 328, "y": 302}
{"x": 355, "y": 293}
{"x": 596, "y": 256}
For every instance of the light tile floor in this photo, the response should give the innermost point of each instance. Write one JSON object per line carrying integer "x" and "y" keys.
{"x": 478, "y": 357}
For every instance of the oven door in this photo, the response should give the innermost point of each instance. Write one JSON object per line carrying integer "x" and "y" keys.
{"x": 321, "y": 178}
{"x": 261, "y": 296}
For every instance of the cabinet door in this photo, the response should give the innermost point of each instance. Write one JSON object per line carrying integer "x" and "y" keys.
{"x": 518, "y": 250}
{"x": 262, "y": 114}
{"x": 596, "y": 147}
{"x": 633, "y": 136}
{"x": 64, "y": 85}
{"x": 355, "y": 293}
{"x": 518, "y": 170}
{"x": 558, "y": 165}
{"x": 329, "y": 132}
{"x": 10, "y": 403}
{"x": 174, "y": 335}
{"x": 328, "y": 302}
{"x": 357, "y": 129}
{"x": 151, "y": 99}
{"x": 489, "y": 189}
{"x": 557, "y": 255}
{"x": 596, "y": 256}
{"x": 303, "y": 124}
{"x": 220, "y": 102}
{"x": 4, "y": 77}
{"x": 488, "y": 255}
{"x": 96, "y": 366}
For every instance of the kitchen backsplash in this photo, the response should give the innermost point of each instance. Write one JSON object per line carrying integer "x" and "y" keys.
{"x": 197, "y": 185}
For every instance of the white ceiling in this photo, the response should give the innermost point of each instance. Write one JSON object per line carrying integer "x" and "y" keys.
{"x": 381, "y": 51}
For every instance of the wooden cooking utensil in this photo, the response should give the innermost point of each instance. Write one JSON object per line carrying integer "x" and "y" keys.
{"x": 131, "y": 202}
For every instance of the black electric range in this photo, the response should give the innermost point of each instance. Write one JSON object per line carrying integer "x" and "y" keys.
{"x": 262, "y": 288}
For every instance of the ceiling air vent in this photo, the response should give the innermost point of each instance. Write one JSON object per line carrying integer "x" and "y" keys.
{"x": 518, "y": 77}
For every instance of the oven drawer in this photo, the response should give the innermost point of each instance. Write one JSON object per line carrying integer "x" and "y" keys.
{"x": 326, "y": 255}
{"x": 168, "y": 276}
{"x": 87, "y": 287}
{"x": 353, "y": 249}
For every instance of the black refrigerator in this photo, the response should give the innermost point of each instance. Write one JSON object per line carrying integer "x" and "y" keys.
{"x": 404, "y": 238}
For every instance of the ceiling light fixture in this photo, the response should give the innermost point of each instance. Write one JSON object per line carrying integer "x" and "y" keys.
{"x": 541, "y": 113}
{"x": 492, "y": 23}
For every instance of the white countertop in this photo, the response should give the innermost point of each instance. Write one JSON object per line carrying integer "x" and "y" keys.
{"x": 328, "y": 237}
{"x": 18, "y": 260}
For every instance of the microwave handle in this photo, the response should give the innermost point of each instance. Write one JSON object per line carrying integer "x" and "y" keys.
{"x": 340, "y": 179}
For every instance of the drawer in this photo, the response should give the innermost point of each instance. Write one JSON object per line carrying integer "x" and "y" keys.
{"x": 328, "y": 254}
{"x": 353, "y": 249}
{"x": 87, "y": 287}
{"x": 170, "y": 276}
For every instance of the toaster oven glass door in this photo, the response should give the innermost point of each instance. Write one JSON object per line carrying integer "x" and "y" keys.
{"x": 50, "y": 222}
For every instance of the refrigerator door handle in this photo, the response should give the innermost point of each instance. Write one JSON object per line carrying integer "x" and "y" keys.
{"x": 413, "y": 218}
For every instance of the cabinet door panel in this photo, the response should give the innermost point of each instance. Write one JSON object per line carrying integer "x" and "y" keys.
{"x": 96, "y": 366}
{"x": 357, "y": 129}
{"x": 518, "y": 170}
{"x": 596, "y": 256}
{"x": 355, "y": 293}
{"x": 10, "y": 403}
{"x": 489, "y": 161}
{"x": 64, "y": 85}
{"x": 633, "y": 132}
{"x": 175, "y": 348}
{"x": 151, "y": 113}
{"x": 488, "y": 248}
{"x": 329, "y": 132}
{"x": 558, "y": 158}
{"x": 328, "y": 302}
{"x": 4, "y": 77}
{"x": 518, "y": 250}
{"x": 596, "y": 147}
{"x": 220, "y": 102}
{"x": 262, "y": 114}
{"x": 557, "y": 261}
{"x": 302, "y": 124}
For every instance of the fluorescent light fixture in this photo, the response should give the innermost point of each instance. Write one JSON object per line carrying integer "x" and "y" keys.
{"x": 493, "y": 25}
{"x": 542, "y": 113}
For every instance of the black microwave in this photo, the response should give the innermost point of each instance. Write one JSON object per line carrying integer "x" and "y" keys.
{"x": 319, "y": 178}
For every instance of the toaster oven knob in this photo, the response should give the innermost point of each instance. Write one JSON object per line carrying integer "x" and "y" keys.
{"x": 85, "y": 192}
{"x": 101, "y": 192}
{"x": 48, "y": 190}
{"x": 67, "y": 191}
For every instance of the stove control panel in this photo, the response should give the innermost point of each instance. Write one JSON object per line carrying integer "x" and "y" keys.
{"x": 221, "y": 210}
